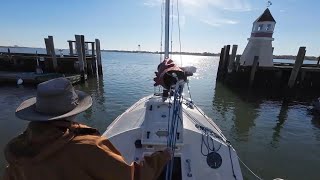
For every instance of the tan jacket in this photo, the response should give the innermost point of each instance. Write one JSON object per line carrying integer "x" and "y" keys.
{"x": 68, "y": 150}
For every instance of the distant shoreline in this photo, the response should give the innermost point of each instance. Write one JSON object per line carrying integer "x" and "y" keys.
{"x": 182, "y": 53}
{"x": 207, "y": 54}
{"x": 156, "y": 52}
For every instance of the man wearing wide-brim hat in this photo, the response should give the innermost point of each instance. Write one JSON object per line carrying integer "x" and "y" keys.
{"x": 55, "y": 147}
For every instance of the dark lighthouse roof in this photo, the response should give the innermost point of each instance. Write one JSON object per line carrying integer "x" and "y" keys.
{"x": 266, "y": 16}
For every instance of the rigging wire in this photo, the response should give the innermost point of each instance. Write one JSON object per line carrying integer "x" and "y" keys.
{"x": 173, "y": 124}
{"x": 161, "y": 29}
{"x": 161, "y": 40}
{"x": 171, "y": 28}
{"x": 179, "y": 31}
{"x": 249, "y": 169}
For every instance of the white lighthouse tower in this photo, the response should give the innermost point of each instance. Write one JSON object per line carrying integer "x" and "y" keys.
{"x": 260, "y": 42}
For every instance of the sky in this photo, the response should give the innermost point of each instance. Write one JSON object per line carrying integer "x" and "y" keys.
{"x": 205, "y": 25}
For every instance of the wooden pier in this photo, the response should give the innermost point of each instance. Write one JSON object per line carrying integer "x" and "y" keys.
{"x": 288, "y": 76}
{"x": 36, "y": 68}
{"x": 33, "y": 78}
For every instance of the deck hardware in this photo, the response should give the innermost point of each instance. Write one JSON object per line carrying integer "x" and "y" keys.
{"x": 149, "y": 147}
{"x": 189, "y": 174}
{"x": 162, "y": 133}
{"x": 138, "y": 144}
{"x": 148, "y": 134}
{"x": 214, "y": 160}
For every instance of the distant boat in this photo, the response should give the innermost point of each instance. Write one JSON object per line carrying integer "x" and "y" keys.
{"x": 169, "y": 120}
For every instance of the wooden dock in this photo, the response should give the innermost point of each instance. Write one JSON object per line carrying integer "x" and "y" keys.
{"x": 37, "y": 68}
{"x": 288, "y": 76}
{"x": 33, "y": 78}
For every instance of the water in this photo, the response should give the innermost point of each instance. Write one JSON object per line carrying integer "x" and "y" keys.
{"x": 275, "y": 139}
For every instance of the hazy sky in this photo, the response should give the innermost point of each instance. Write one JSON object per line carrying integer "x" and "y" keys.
{"x": 206, "y": 25}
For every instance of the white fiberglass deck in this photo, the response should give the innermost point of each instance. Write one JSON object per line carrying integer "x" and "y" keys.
{"x": 143, "y": 129}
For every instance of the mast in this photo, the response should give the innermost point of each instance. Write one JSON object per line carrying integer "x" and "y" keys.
{"x": 167, "y": 29}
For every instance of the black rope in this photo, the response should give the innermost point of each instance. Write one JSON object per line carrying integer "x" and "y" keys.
{"x": 169, "y": 113}
{"x": 206, "y": 142}
{"x": 234, "y": 175}
{"x": 203, "y": 142}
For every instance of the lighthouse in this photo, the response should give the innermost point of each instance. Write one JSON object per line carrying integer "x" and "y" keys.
{"x": 260, "y": 42}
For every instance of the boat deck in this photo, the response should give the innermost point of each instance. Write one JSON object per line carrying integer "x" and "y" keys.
{"x": 201, "y": 149}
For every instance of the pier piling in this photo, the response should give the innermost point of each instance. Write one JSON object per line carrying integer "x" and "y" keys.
{"x": 53, "y": 53}
{"x": 94, "y": 60}
{"x": 220, "y": 63}
{"x": 89, "y": 63}
{"x": 223, "y": 63}
{"x": 85, "y": 64}
{"x": 226, "y": 57}
{"x": 237, "y": 63}
{"x": 99, "y": 57}
{"x": 89, "y": 68}
{"x": 70, "y": 48}
{"x": 224, "y": 66}
{"x": 296, "y": 68}
{"x": 253, "y": 70}
{"x": 221, "y": 57}
{"x": 231, "y": 62}
{"x": 10, "y": 57}
{"x": 80, "y": 57}
{"x": 46, "y": 41}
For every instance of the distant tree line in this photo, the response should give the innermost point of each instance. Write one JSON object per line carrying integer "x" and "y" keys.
{"x": 293, "y": 57}
{"x": 208, "y": 54}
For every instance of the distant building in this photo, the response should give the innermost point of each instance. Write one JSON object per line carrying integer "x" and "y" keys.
{"x": 260, "y": 42}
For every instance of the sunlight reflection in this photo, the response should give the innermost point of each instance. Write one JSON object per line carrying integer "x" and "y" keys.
{"x": 200, "y": 62}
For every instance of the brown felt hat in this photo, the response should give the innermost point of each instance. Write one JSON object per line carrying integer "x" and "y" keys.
{"x": 56, "y": 99}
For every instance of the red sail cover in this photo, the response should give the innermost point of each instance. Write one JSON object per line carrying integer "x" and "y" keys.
{"x": 164, "y": 75}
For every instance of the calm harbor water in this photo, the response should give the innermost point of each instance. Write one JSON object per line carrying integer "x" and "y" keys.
{"x": 274, "y": 138}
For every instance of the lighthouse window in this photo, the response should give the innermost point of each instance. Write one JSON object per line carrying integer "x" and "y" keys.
{"x": 269, "y": 27}
{"x": 260, "y": 27}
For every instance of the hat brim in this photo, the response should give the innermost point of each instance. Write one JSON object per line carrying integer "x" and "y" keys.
{"x": 27, "y": 109}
